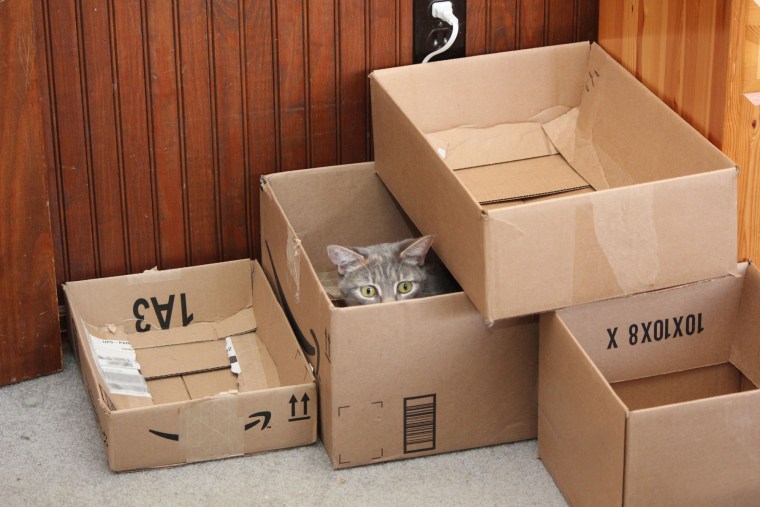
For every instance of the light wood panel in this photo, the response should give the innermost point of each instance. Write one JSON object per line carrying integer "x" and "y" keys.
{"x": 741, "y": 133}
{"x": 163, "y": 114}
{"x": 30, "y": 342}
{"x": 678, "y": 48}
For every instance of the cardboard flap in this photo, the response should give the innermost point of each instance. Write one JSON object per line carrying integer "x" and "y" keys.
{"x": 470, "y": 146}
{"x": 241, "y": 322}
{"x": 157, "y": 362}
{"x": 257, "y": 369}
{"x": 522, "y": 179}
{"x": 745, "y": 351}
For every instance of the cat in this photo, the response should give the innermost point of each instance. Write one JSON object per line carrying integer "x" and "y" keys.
{"x": 389, "y": 272}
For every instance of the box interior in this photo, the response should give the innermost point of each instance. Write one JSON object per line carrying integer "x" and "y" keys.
{"x": 509, "y": 139}
{"x": 191, "y": 361}
{"x": 360, "y": 212}
{"x": 704, "y": 345}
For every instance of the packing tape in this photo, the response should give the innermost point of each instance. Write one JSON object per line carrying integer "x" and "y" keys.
{"x": 211, "y": 428}
{"x": 293, "y": 253}
{"x": 624, "y": 225}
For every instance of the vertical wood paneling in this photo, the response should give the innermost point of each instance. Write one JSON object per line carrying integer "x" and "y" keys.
{"x": 51, "y": 144}
{"x": 322, "y": 75}
{"x": 292, "y": 84}
{"x": 30, "y": 341}
{"x": 162, "y": 115}
{"x": 102, "y": 138}
{"x": 477, "y": 20}
{"x": 197, "y": 122}
{"x": 229, "y": 127}
{"x": 263, "y": 103}
{"x": 532, "y": 23}
{"x": 502, "y": 27}
{"x": 741, "y": 139}
{"x": 352, "y": 87}
{"x": 70, "y": 134}
{"x": 675, "y": 48}
{"x": 560, "y": 28}
{"x": 136, "y": 141}
{"x": 167, "y": 134}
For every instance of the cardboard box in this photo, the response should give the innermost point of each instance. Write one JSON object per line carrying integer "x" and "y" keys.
{"x": 190, "y": 364}
{"x": 652, "y": 399}
{"x": 551, "y": 177}
{"x": 400, "y": 379}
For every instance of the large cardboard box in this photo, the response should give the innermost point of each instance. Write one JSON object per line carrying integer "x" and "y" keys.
{"x": 400, "y": 379}
{"x": 551, "y": 177}
{"x": 190, "y": 364}
{"x": 652, "y": 399}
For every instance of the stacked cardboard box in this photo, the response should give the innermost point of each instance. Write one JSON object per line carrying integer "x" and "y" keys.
{"x": 551, "y": 179}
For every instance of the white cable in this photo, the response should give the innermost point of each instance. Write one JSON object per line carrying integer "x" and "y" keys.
{"x": 444, "y": 11}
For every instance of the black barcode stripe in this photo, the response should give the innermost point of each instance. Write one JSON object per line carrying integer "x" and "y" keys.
{"x": 419, "y": 423}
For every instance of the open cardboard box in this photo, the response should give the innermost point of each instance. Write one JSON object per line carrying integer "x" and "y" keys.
{"x": 551, "y": 177}
{"x": 652, "y": 399}
{"x": 190, "y": 364}
{"x": 400, "y": 379}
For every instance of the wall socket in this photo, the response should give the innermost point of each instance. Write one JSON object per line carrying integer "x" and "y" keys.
{"x": 431, "y": 33}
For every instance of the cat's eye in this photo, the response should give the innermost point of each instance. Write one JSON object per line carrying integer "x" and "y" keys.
{"x": 368, "y": 291}
{"x": 404, "y": 287}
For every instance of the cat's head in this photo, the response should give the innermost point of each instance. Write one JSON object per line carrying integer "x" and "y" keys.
{"x": 384, "y": 272}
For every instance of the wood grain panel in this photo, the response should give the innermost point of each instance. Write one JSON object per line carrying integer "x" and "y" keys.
{"x": 77, "y": 212}
{"x": 30, "y": 343}
{"x": 103, "y": 141}
{"x": 168, "y": 141}
{"x": 162, "y": 115}
{"x": 135, "y": 124}
{"x": 741, "y": 139}
{"x": 262, "y": 103}
{"x": 197, "y": 120}
{"x": 675, "y": 48}
{"x": 230, "y": 131}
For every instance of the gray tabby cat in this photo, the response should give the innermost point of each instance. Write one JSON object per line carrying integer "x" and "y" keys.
{"x": 389, "y": 272}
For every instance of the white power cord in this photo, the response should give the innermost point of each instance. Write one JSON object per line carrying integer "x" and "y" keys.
{"x": 445, "y": 12}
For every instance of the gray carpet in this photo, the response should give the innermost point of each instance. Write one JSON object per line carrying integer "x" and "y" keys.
{"x": 52, "y": 454}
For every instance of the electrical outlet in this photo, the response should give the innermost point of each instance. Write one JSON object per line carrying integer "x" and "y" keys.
{"x": 432, "y": 33}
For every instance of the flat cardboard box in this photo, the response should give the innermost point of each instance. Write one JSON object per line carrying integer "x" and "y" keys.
{"x": 157, "y": 352}
{"x": 652, "y": 399}
{"x": 401, "y": 379}
{"x": 551, "y": 177}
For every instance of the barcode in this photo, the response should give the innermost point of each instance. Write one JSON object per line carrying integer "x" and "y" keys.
{"x": 419, "y": 423}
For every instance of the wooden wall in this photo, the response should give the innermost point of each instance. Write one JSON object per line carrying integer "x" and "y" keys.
{"x": 678, "y": 48}
{"x": 162, "y": 115}
{"x": 30, "y": 341}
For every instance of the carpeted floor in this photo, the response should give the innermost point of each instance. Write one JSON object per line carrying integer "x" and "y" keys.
{"x": 52, "y": 454}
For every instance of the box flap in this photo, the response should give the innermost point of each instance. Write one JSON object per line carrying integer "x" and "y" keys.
{"x": 522, "y": 179}
{"x": 470, "y": 146}
{"x": 210, "y": 383}
{"x": 157, "y": 362}
{"x": 168, "y": 390}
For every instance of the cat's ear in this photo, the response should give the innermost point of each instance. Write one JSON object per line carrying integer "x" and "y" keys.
{"x": 417, "y": 250}
{"x": 344, "y": 258}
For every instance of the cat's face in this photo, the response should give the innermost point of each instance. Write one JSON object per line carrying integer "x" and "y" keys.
{"x": 384, "y": 272}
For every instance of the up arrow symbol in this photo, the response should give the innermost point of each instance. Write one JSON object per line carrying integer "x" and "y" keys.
{"x": 305, "y": 400}
{"x": 293, "y": 401}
